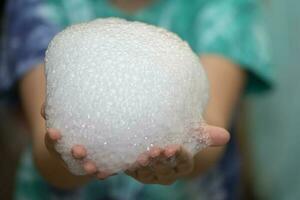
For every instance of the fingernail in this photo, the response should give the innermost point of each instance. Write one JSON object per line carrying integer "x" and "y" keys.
{"x": 78, "y": 151}
{"x": 170, "y": 153}
{"x": 155, "y": 153}
{"x": 53, "y": 134}
{"x": 89, "y": 168}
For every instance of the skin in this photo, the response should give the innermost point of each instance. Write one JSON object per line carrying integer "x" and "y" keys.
{"x": 132, "y": 5}
{"x": 152, "y": 166}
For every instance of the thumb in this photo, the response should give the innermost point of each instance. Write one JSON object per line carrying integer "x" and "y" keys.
{"x": 218, "y": 136}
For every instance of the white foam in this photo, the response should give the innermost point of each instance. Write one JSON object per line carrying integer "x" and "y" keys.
{"x": 119, "y": 88}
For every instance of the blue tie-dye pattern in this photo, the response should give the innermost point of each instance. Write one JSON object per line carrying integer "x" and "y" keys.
{"x": 27, "y": 34}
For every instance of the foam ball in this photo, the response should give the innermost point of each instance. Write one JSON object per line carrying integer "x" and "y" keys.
{"x": 120, "y": 88}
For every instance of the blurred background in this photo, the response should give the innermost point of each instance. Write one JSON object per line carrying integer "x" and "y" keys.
{"x": 271, "y": 164}
{"x": 275, "y": 137}
{"x": 13, "y": 139}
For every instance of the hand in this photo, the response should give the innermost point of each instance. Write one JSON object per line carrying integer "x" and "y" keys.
{"x": 165, "y": 166}
{"x": 156, "y": 166}
{"x": 78, "y": 152}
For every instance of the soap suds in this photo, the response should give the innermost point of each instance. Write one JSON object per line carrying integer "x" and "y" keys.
{"x": 119, "y": 88}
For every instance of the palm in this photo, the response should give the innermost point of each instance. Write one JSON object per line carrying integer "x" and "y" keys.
{"x": 160, "y": 166}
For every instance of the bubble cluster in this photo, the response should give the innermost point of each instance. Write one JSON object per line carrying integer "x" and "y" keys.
{"x": 120, "y": 88}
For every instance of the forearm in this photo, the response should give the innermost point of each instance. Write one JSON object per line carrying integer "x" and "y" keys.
{"x": 32, "y": 92}
{"x": 226, "y": 85}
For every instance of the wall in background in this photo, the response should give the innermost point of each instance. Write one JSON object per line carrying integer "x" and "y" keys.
{"x": 275, "y": 117}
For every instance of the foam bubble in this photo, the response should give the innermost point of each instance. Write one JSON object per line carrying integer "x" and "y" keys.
{"x": 120, "y": 88}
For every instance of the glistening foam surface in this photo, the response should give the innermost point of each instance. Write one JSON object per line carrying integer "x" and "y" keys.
{"x": 120, "y": 88}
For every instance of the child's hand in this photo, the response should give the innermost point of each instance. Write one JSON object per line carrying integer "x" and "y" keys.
{"x": 78, "y": 152}
{"x": 162, "y": 166}
{"x": 156, "y": 166}
{"x": 165, "y": 166}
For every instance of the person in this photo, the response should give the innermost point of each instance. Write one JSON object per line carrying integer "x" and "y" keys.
{"x": 228, "y": 37}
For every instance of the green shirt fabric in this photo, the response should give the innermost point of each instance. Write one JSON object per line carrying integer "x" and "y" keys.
{"x": 229, "y": 28}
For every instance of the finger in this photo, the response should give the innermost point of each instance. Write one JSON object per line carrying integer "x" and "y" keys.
{"x": 171, "y": 150}
{"x": 162, "y": 165}
{"x": 53, "y": 134}
{"x": 183, "y": 168}
{"x": 146, "y": 175}
{"x": 43, "y": 111}
{"x": 78, "y": 151}
{"x": 218, "y": 136}
{"x": 144, "y": 172}
{"x": 184, "y": 162}
{"x": 132, "y": 167}
{"x": 155, "y": 152}
{"x": 51, "y": 137}
{"x": 143, "y": 160}
{"x": 155, "y": 155}
{"x": 163, "y": 170}
{"x": 103, "y": 175}
{"x": 90, "y": 167}
{"x": 182, "y": 155}
{"x": 49, "y": 143}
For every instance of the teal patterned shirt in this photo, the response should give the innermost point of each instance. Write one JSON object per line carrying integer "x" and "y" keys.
{"x": 229, "y": 28}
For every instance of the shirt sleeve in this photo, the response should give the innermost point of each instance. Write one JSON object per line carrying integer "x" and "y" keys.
{"x": 234, "y": 29}
{"x": 27, "y": 32}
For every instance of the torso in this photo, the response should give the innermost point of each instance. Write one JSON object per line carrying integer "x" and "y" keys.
{"x": 131, "y": 6}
